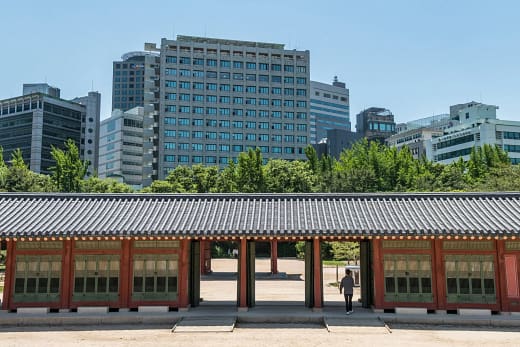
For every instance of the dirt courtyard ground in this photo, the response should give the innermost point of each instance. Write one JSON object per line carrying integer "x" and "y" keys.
{"x": 222, "y": 288}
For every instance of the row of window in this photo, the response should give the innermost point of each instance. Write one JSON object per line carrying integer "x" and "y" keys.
{"x": 389, "y": 127}
{"x": 235, "y": 76}
{"x": 223, "y": 63}
{"x": 236, "y": 101}
{"x": 212, "y": 159}
{"x": 235, "y": 89}
{"x": 454, "y": 142}
{"x": 235, "y": 124}
{"x": 128, "y": 72}
{"x": 239, "y": 113}
{"x": 212, "y": 135}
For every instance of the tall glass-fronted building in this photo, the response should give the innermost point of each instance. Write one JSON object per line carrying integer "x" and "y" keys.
{"x": 330, "y": 109}
{"x": 219, "y": 98}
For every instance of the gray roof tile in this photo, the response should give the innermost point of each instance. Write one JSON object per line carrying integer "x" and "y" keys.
{"x": 479, "y": 214}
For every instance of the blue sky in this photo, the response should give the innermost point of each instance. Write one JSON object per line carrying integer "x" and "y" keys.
{"x": 415, "y": 57}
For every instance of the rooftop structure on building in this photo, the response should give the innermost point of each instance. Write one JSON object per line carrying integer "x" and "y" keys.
{"x": 330, "y": 109}
{"x": 34, "y": 122}
{"x": 375, "y": 124}
{"x": 336, "y": 142}
{"x": 44, "y": 88}
{"x": 217, "y": 98}
{"x": 416, "y": 139}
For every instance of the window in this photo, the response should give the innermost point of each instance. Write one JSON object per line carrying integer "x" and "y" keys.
{"x": 198, "y": 110}
{"x": 211, "y": 74}
{"x": 225, "y": 63}
{"x": 301, "y": 80}
{"x": 263, "y": 90}
{"x": 238, "y": 65}
{"x": 276, "y": 138}
{"x": 276, "y": 149}
{"x": 184, "y": 72}
{"x": 171, "y": 60}
{"x": 470, "y": 278}
{"x": 224, "y": 124}
{"x": 408, "y": 278}
{"x": 198, "y": 97}
{"x": 276, "y": 102}
{"x": 250, "y": 113}
{"x": 238, "y": 88}
{"x": 238, "y": 124}
{"x": 170, "y": 108}
{"x": 224, "y": 136}
{"x": 301, "y": 104}
{"x": 224, "y": 111}
{"x": 276, "y": 79}
{"x": 263, "y": 78}
{"x": 263, "y": 113}
{"x": 185, "y": 60}
{"x": 225, "y": 99}
{"x": 250, "y": 89}
{"x": 238, "y": 100}
{"x": 301, "y": 92}
{"x": 250, "y": 101}
{"x": 211, "y": 159}
{"x": 238, "y": 136}
{"x": 225, "y": 87}
{"x": 211, "y": 62}
{"x": 184, "y": 109}
{"x": 37, "y": 278}
{"x": 211, "y": 86}
{"x": 250, "y": 137}
{"x": 289, "y": 115}
{"x": 225, "y": 75}
{"x": 211, "y": 98}
{"x": 288, "y": 68}
{"x": 263, "y": 125}
{"x": 211, "y": 135}
{"x": 224, "y": 148}
{"x": 96, "y": 277}
{"x": 184, "y": 97}
{"x": 155, "y": 275}
{"x": 263, "y": 101}
{"x": 301, "y": 127}
{"x": 238, "y": 148}
{"x": 251, "y": 66}
{"x": 169, "y": 133}
{"x": 198, "y": 73}
{"x": 169, "y": 158}
{"x": 198, "y": 122}
{"x": 223, "y": 160}
{"x": 170, "y": 72}
{"x": 170, "y": 96}
{"x": 197, "y": 134}
{"x": 238, "y": 112}
{"x": 288, "y": 91}
{"x": 263, "y": 137}
{"x": 301, "y": 115}
{"x": 250, "y": 125}
{"x": 263, "y": 66}
{"x": 288, "y": 150}
{"x": 288, "y": 126}
{"x": 196, "y": 147}
{"x": 184, "y": 85}
{"x": 198, "y": 61}
{"x": 184, "y": 158}
{"x": 276, "y": 67}
{"x": 184, "y": 146}
{"x": 276, "y": 114}
{"x": 183, "y": 133}
{"x": 169, "y": 145}
{"x": 301, "y": 69}
{"x": 276, "y": 90}
{"x": 288, "y": 138}
{"x": 198, "y": 85}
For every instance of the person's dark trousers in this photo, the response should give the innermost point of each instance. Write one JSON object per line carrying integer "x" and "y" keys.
{"x": 348, "y": 302}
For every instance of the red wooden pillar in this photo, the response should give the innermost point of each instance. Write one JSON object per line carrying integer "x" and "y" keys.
{"x": 125, "y": 278}
{"x": 274, "y": 256}
{"x": 438, "y": 274}
{"x": 500, "y": 276}
{"x": 205, "y": 257}
{"x": 9, "y": 274}
{"x": 66, "y": 275}
{"x": 377, "y": 267}
{"x": 242, "y": 278}
{"x": 316, "y": 244}
{"x": 183, "y": 273}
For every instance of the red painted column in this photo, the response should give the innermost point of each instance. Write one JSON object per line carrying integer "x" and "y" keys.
{"x": 9, "y": 274}
{"x": 500, "y": 275}
{"x": 183, "y": 273}
{"x": 202, "y": 245}
{"x": 377, "y": 267}
{"x": 66, "y": 275}
{"x": 317, "y": 273}
{"x": 125, "y": 271}
{"x": 242, "y": 254}
{"x": 439, "y": 275}
{"x": 274, "y": 256}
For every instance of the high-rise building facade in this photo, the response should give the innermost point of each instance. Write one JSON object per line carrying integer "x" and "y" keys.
{"x": 128, "y": 80}
{"x": 36, "y": 121}
{"x": 330, "y": 109}
{"x": 375, "y": 124}
{"x": 219, "y": 98}
{"x": 121, "y": 147}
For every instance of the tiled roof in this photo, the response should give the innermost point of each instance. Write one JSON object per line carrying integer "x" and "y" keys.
{"x": 471, "y": 214}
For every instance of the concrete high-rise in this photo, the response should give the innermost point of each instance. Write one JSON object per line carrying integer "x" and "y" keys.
{"x": 218, "y": 98}
{"x": 375, "y": 124}
{"x": 36, "y": 121}
{"x": 330, "y": 109}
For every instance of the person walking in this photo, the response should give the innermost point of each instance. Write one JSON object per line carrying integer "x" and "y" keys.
{"x": 347, "y": 287}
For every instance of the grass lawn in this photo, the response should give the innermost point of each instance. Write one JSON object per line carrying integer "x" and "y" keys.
{"x": 334, "y": 262}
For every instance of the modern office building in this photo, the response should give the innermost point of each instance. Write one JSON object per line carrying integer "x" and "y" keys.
{"x": 128, "y": 80}
{"x": 218, "y": 98}
{"x": 335, "y": 142}
{"x": 416, "y": 139}
{"x": 121, "y": 147}
{"x": 330, "y": 108}
{"x": 89, "y": 142}
{"x": 375, "y": 124}
{"x": 36, "y": 121}
{"x": 460, "y": 140}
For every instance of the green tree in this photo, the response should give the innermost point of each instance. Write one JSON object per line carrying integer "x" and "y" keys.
{"x": 97, "y": 185}
{"x": 227, "y": 179}
{"x": 20, "y": 179}
{"x": 69, "y": 170}
{"x": 250, "y": 173}
{"x": 282, "y": 176}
